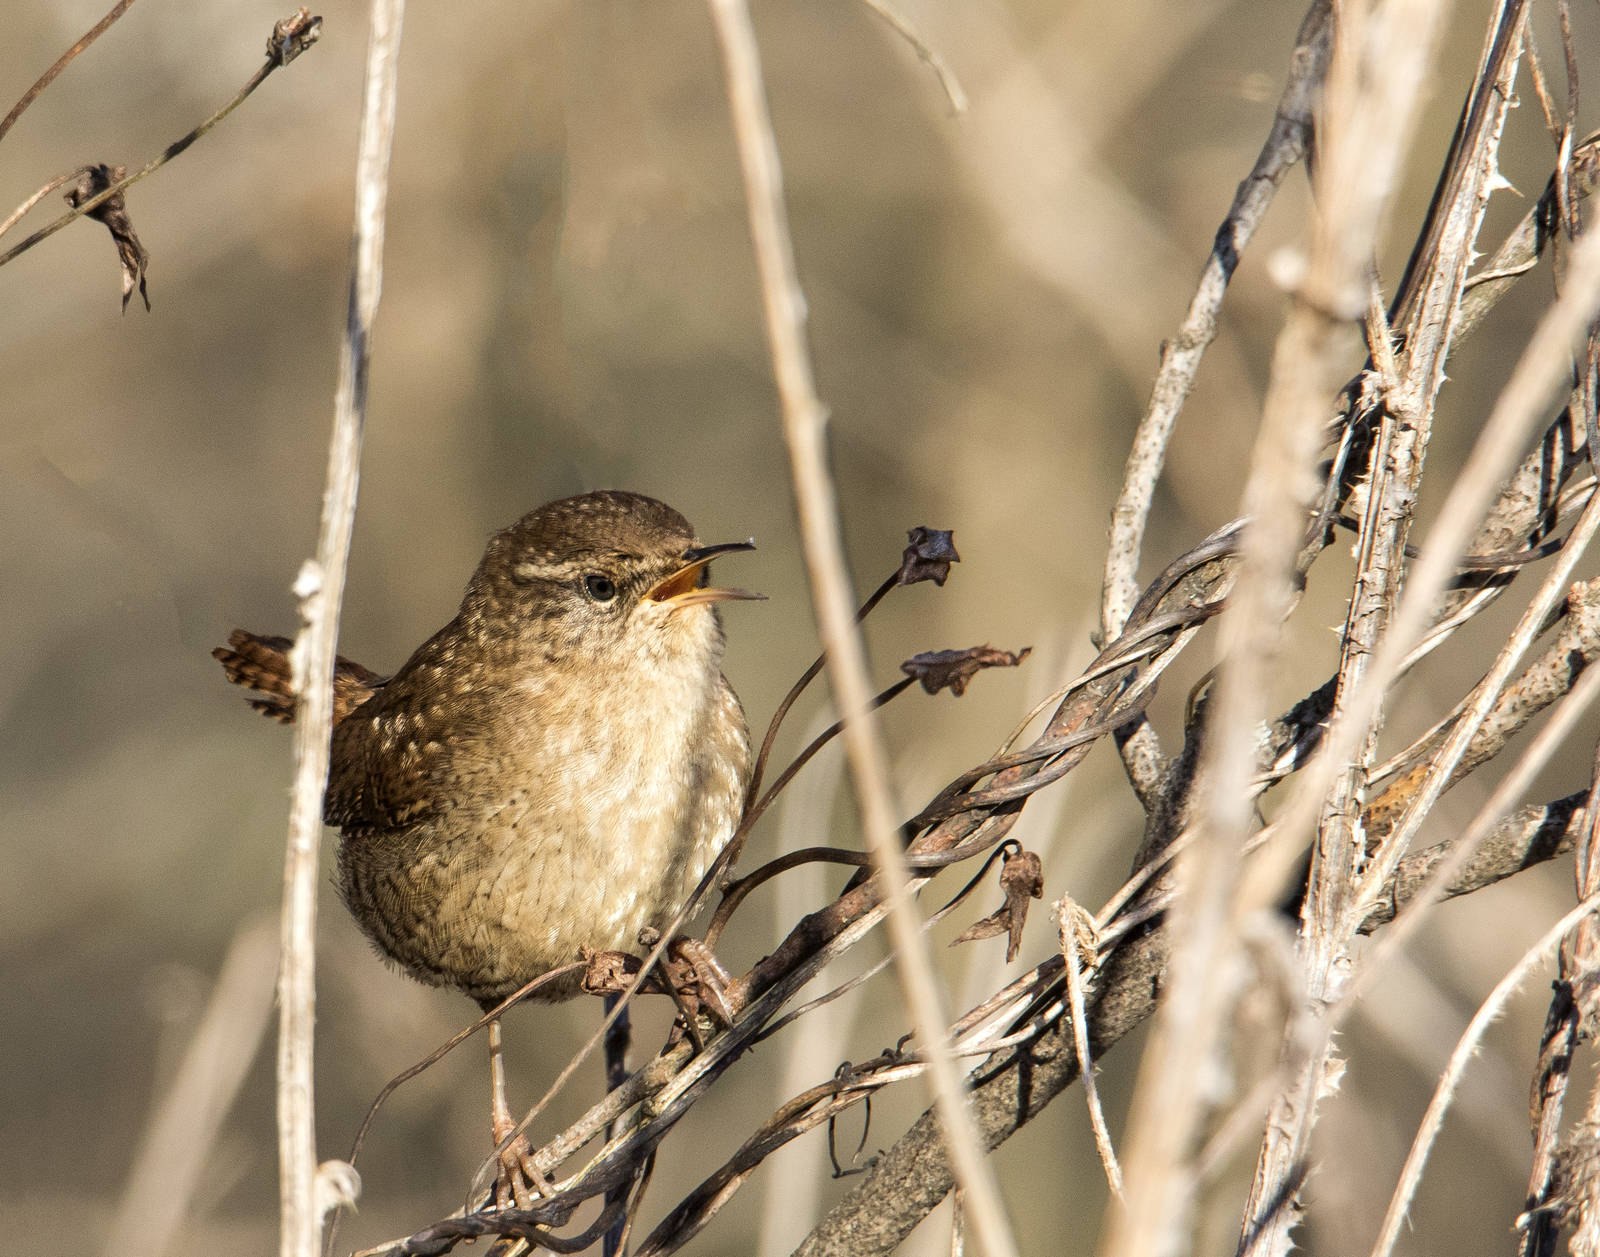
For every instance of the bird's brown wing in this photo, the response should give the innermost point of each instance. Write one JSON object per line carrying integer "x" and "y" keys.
{"x": 381, "y": 780}
{"x": 261, "y": 664}
{"x": 399, "y": 758}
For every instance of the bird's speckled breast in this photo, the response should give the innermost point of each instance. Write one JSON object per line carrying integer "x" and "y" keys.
{"x": 609, "y": 826}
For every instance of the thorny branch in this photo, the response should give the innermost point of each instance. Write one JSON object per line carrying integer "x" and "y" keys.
{"x": 1407, "y": 377}
{"x": 909, "y": 1180}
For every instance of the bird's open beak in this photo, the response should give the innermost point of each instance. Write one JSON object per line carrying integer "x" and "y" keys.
{"x": 683, "y": 588}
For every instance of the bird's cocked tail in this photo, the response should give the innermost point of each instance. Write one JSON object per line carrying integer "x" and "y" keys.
{"x": 261, "y": 664}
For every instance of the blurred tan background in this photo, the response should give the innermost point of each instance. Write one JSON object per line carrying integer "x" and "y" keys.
{"x": 569, "y": 304}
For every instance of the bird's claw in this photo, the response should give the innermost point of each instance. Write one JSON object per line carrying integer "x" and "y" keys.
{"x": 518, "y": 1181}
{"x": 688, "y": 972}
{"x": 698, "y": 982}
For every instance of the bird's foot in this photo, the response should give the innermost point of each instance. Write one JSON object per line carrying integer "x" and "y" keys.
{"x": 699, "y": 980}
{"x": 688, "y": 972}
{"x": 518, "y": 1181}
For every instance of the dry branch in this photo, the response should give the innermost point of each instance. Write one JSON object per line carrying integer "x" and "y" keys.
{"x": 783, "y": 304}
{"x": 1408, "y": 382}
{"x": 1199, "y": 805}
{"x": 61, "y": 63}
{"x": 912, "y": 1177}
{"x": 1286, "y": 145}
{"x": 320, "y": 591}
{"x": 289, "y": 38}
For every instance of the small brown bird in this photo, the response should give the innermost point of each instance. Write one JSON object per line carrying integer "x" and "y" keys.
{"x": 553, "y": 770}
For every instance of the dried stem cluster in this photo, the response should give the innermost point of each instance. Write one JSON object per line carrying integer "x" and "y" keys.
{"x": 1210, "y": 877}
{"x": 1202, "y": 918}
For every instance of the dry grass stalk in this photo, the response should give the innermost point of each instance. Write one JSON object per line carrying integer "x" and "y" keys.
{"x": 182, "y": 1132}
{"x": 803, "y": 422}
{"x": 320, "y": 591}
{"x": 1491, "y": 1008}
{"x": 1368, "y": 115}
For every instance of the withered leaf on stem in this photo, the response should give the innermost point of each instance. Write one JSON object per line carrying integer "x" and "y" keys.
{"x": 609, "y": 972}
{"x": 952, "y": 669}
{"x": 697, "y": 980}
{"x": 928, "y": 557}
{"x": 1021, "y": 879}
{"x": 113, "y": 212}
{"x": 292, "y": 36}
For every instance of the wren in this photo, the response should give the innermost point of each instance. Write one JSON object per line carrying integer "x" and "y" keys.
{"x": 552, "y": 771}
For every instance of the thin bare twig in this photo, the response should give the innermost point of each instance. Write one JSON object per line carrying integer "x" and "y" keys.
{"x": 1286, "y": 144}
{"x": 1571, "y": 1003}
{"x": 62, "y": 62}
{"x": 1067, "y": 926}
{"x": 1539, "y": 372}
{"x": 1408, "y": 386}
{"x": 784, "y": 306}
{"x": 443, "y": 1050}
{"x": 1573, "y": 648}
{"x": 54, "y": 185}
{"x": 1438, "y": 874}
{"x": 1465, "y": 1049}
{"x": 911, "y": 1177}
{"x": 806, "y": 678}
{"x": 290, "y": 38}
{"x": 1458, "y": 854}
{"x": 929, "y": 55}
{"x": 320, "y": 591}
{"x": 180, "y": 1138}
{"x": 1442, "y": 768}
{"x": 1572, "y": 996}
{"x": 1373, "y": 92}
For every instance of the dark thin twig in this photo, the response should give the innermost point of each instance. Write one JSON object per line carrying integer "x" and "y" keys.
{"x": 59, "y": 182}
{"x": 450, "y": 1045}
{"x": 1500, "y": 561}
{"x": 737, "y": 891}
{"x": 844, "y": 988}
{"x": 645, "y": 1174}
{"x": 62, "y": 62}
{"x": 286, "y": 50}
{"x": 817, "y": 743}
{"x": 954, "y": 801}
{"x": 528, "y": 1224}
{"x": 795, "y": 690}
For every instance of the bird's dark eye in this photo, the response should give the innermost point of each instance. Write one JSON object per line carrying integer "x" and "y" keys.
{"x": 600, "y": 587}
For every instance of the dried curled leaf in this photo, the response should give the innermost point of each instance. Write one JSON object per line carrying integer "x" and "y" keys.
{"x": 928, "y": 557}
{"x": 609, "y": 972}
{"x": 698, "y": 981}
{"x": 113, "y": 212}
{"x": 292, "y": 36}
{"x": 952, "y": 669}
{"x": 1021, "y": 879}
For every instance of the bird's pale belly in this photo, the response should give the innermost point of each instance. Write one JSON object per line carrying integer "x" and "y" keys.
{"x": 520, "y": 896}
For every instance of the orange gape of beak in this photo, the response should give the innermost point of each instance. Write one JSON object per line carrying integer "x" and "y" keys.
{"x": 683, "y": 588}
